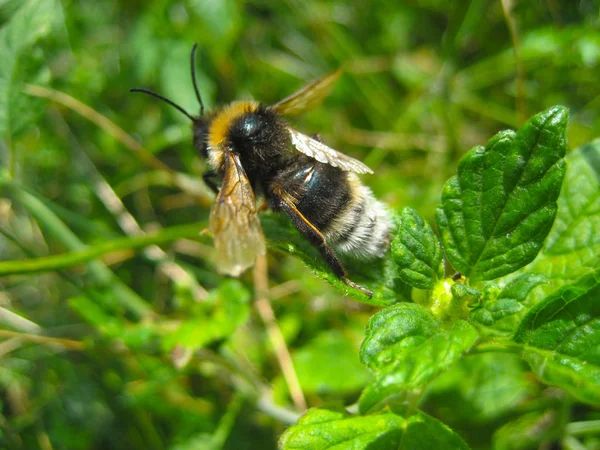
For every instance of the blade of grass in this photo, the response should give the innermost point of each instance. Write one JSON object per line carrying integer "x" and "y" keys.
{"x": 84, "y": 254}
{"x": 265, "y": 311}
{"x": 13, "y": 320}
{"x": 107, "y": 195}
{"x": 227, "y": 421}
{"x": 130, "y": 226}
{"x": 183, "y": 181}
{"x": 102, "y": 121}
{"x": 47, "y": 220}
{"x": 46, "y": 340}
{"x": 10, "y": 345}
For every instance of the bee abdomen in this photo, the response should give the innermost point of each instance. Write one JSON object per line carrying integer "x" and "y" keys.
{"x": 363, "y": 228}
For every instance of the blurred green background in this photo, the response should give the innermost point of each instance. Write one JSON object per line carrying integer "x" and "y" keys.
{"x": 151, "y": 349}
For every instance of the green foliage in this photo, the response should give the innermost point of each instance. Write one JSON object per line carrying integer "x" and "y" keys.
{"x": 496, "y": 214}
{"x": 572, "y": 248}
{"x": 217, "y": 318}
{"x": 500, "y": 307}
{"x": 412, "y": 357}
{"x": 393, "y": 328}
{"x": 320, "y": 429}
{"x": 561, "y": 336}
{"x": 32, "y": 21}
{"x": 481, "y": 389}
{"x": 115, "y": 330}
{"x": 320, "y": 362}
{"x": 416, "y": 251}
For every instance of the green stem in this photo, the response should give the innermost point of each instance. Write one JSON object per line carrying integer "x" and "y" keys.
{"x": 54, "y": 226}
{"x": 587, "y": 427}
{"x": 571, "y": 443}
{"x": 87, "y": 254}
{"x": 227, "y": 421}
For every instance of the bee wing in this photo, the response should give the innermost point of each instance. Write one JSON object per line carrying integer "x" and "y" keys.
{"x": 309, "y": 96}
{"x": 319, "y": 151}
{"x": 234, "y": 221}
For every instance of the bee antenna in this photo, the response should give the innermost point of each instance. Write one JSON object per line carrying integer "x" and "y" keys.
{"x": 166, "y": 100}
{"x": 193, "y": 66}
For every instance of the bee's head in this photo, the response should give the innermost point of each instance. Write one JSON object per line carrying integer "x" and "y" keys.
{"x": 244, "y": 127}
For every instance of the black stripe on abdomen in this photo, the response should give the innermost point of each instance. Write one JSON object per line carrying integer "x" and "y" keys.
{"x": 326, "y": 195}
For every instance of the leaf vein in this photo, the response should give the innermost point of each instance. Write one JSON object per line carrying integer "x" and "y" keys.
{"x": 520, "y": 177}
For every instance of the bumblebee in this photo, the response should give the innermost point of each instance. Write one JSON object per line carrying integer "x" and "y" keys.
{"x": 254, "y": 152}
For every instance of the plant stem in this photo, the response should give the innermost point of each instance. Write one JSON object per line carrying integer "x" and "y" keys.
{"x": 48, "y": 220}
{"x": 17, "y": 322}
{"x": 249, "y": 384}
{"x": 130, "y": 227}
{"x": 586, "y": 427}
{"x": 86, "y": 254}
{"x": 47, "y": 340}
{"x": 227, "y": 421}
{"x": 267, "y": 406}
{"x": 263, "y": 306}
{"x": 571, "y": 443}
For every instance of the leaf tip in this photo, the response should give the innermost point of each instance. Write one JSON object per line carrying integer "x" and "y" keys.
{"x": 557, "y": 115}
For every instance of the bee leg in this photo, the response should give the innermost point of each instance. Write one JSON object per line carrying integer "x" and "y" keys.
{"x": 209, "y": 178}
{"x": 316, "y": 238}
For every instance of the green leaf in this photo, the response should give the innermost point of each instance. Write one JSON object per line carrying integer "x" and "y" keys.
{"x": 321, "y": 429}
{"x": 528, "y": 431}
{"x": 31, "y": 22}
{"x": 230, "y": 309}
{"x": 94, "y": 314}
{"x": 380, "y": 275}
{"x": 417, "y": 251}
{"x": 406, "y": 350}
{"x": 328, "y": 364}
{"x": 481, "y": 388}
{"x": 572, "y": 249}
{"x": 496, "y": 213}
{"x": 500, "y": 310}
{"x": 394, "y": 330}
{"x": 562, "y": 339}
{"x": 465, "y": 294}
{"x": 425, "y": 432}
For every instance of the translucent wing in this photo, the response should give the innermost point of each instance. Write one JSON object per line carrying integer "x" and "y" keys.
{"x": 319, "y": 151}
{"x": 234, "y": 221}
{"x": 309, "y": 96}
